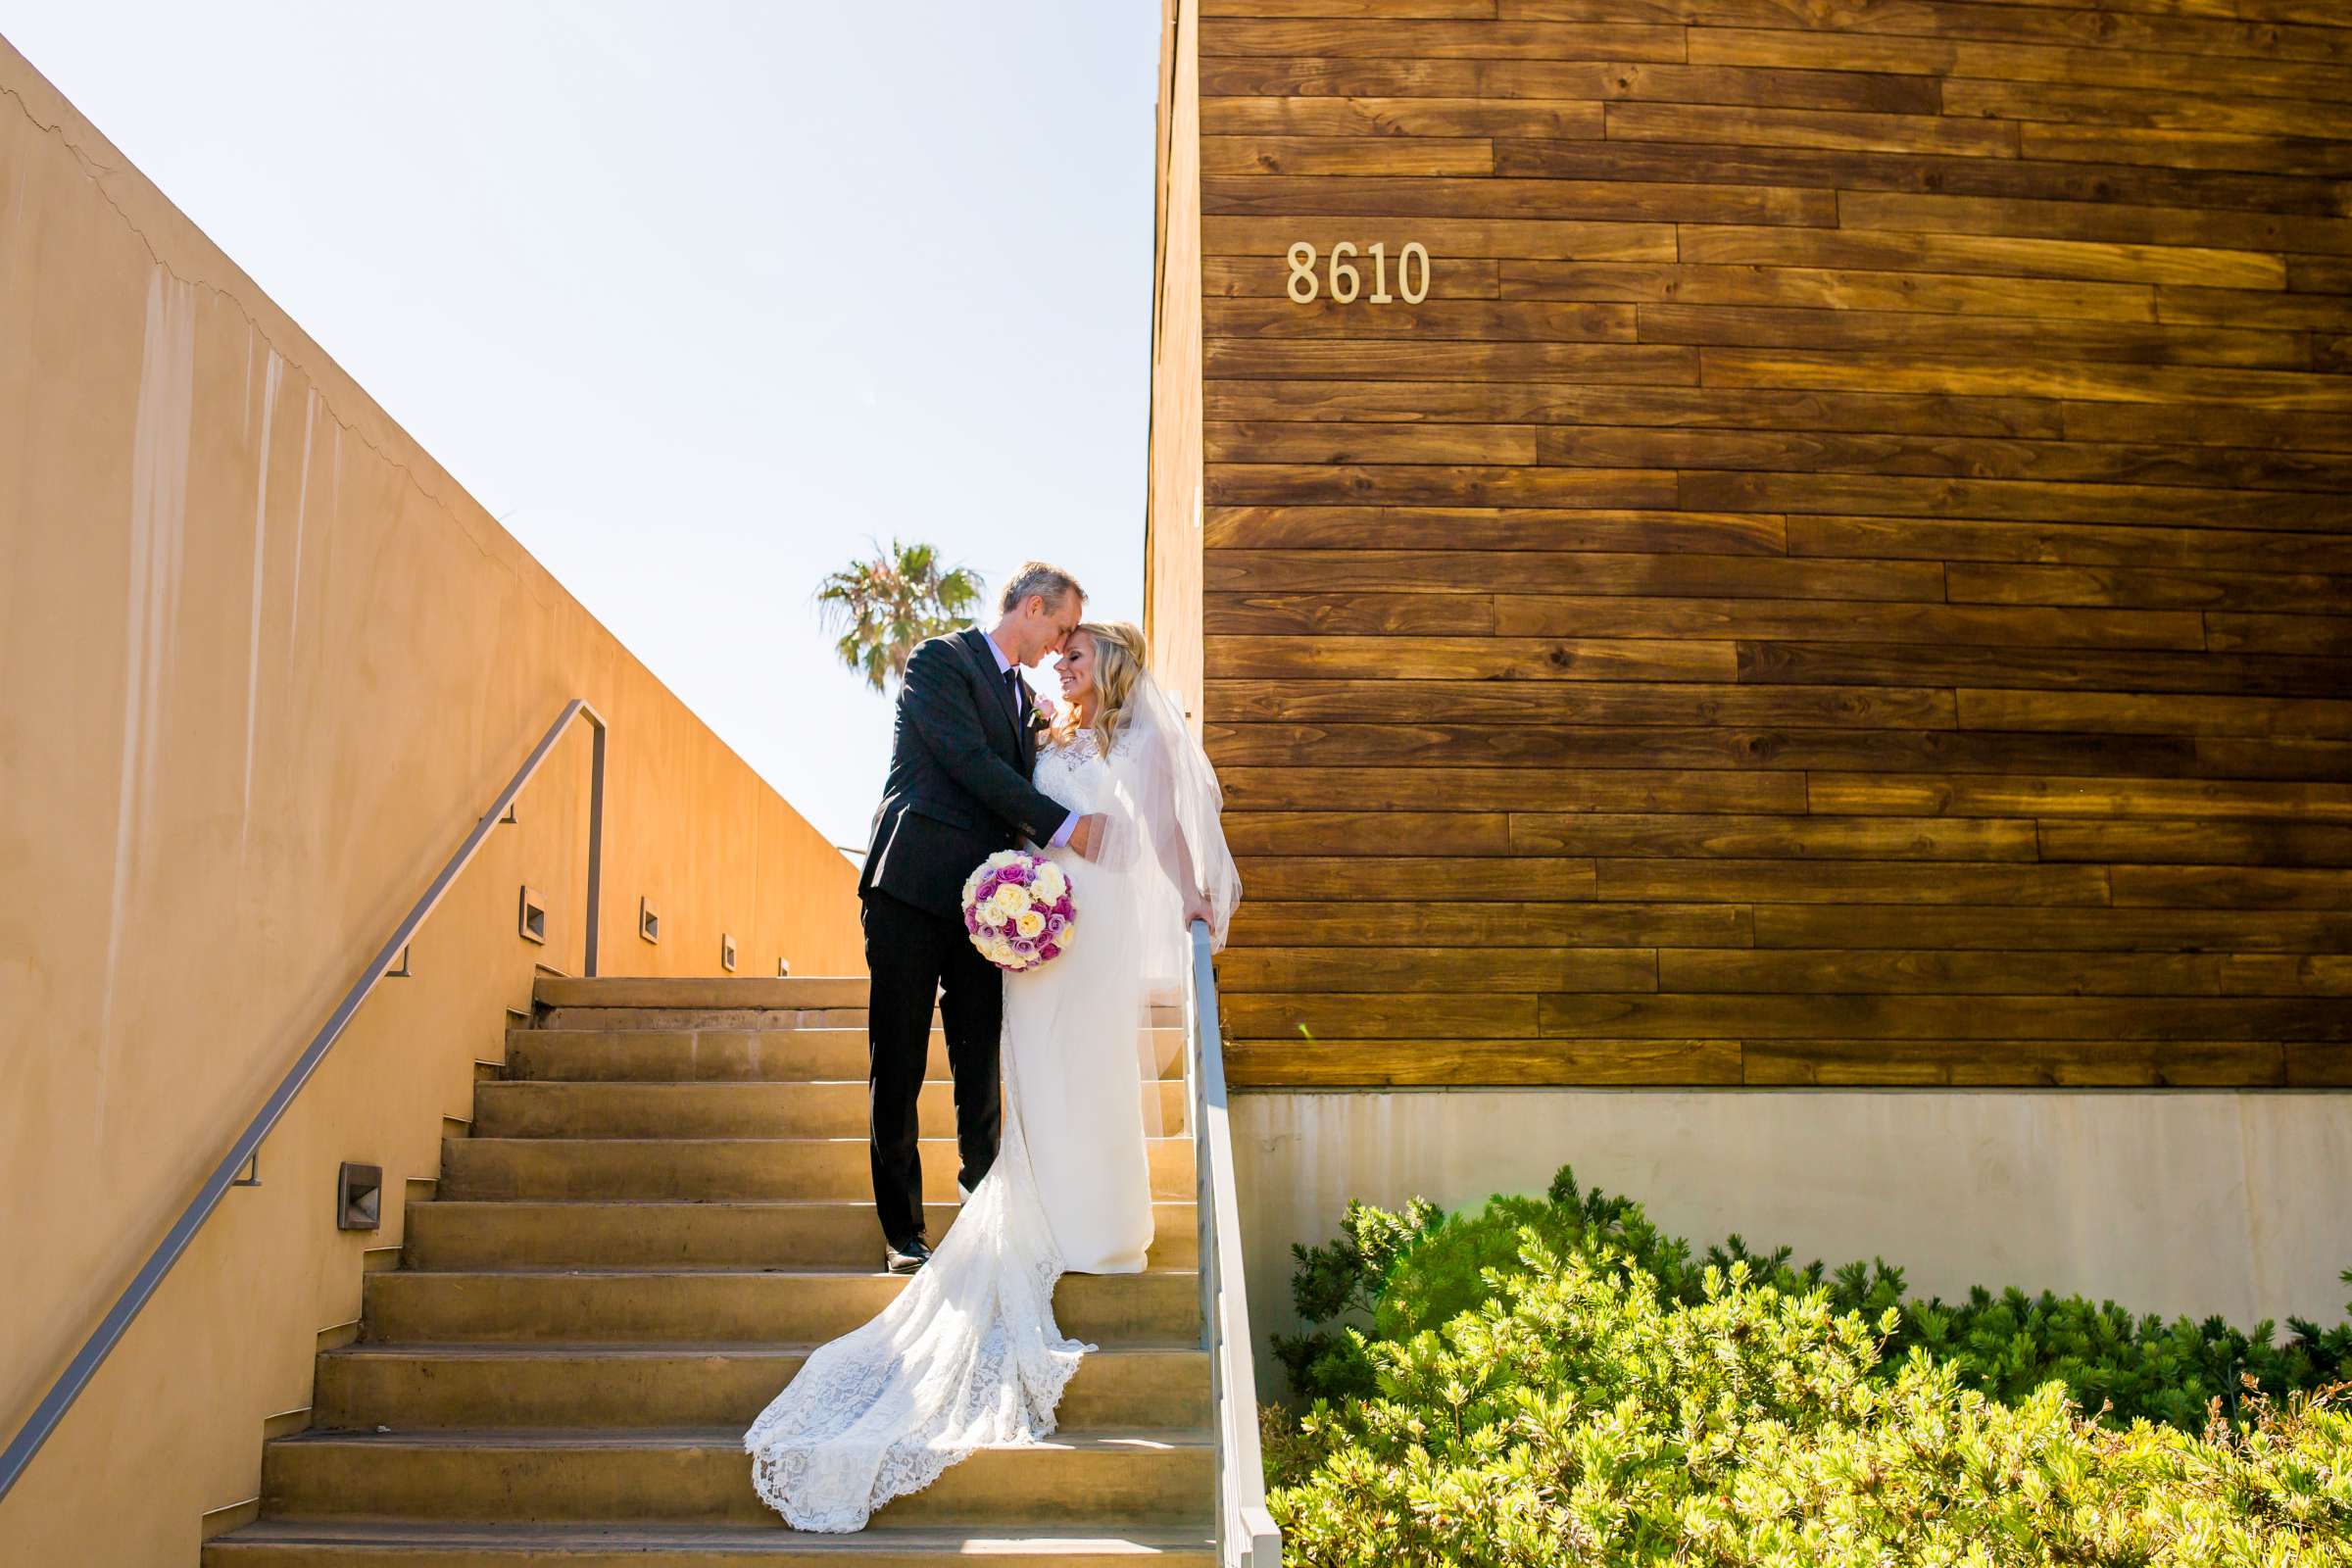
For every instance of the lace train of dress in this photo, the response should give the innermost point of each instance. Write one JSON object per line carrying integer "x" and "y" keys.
{"x": 967, "y": 1356}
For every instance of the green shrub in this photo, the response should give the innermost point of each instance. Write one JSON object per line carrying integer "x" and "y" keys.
{"x": 1583, "y": 1412}
{"x": 1396, "y": 1275}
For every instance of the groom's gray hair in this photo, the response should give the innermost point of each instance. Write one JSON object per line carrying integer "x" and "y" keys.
{"x": 1036, "y": 577}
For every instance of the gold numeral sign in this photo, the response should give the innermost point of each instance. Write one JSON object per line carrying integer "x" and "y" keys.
{"x": 1346, "y": 282}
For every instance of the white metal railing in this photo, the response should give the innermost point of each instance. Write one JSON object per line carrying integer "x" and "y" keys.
{"x": 1246, "y": 1536}
{"x": 247, "y": 1144}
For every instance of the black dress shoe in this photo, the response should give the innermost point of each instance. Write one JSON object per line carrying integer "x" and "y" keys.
{"x": 907, "y": 1258}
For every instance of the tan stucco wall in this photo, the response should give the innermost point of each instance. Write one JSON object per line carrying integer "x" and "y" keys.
{"x": 262, "y": 662}
{"x": 1173, "y": 518}
{"x": 2169, "y": 1201}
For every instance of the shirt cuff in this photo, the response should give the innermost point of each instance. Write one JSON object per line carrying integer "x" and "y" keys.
{"x": 1061, "y": 834}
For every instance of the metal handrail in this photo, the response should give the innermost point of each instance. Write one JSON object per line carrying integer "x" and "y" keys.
{"x": 78, "y": 1373}
{"x": 1247, "y": 1535}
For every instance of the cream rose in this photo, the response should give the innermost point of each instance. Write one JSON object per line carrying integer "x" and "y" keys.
{"x": 1050, "y": 883}
{"x": 1029, "y": 922}
{"x": 1011, "y": 898}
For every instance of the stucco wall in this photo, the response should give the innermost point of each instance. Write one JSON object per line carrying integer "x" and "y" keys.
{"x": 1173, "y": 514}
{"x": 2162, "y": 1201}
{"x": 262, "y": 662}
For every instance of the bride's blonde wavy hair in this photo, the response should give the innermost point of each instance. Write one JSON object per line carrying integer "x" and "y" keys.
{"x": 1119, "y": 659}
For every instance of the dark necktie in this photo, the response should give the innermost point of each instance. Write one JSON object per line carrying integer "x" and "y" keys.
{"x": 1013, "y": 695}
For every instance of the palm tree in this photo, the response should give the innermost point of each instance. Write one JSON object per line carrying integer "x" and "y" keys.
{"x": 881, "y": 608}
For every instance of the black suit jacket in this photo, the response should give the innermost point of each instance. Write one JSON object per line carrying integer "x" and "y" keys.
{"x": 958, "y": 788}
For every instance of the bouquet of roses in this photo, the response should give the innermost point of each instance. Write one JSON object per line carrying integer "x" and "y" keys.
{"x": 1018, "y": 907}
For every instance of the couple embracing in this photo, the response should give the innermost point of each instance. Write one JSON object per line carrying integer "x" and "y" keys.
{"x": 1056, "y": 1079}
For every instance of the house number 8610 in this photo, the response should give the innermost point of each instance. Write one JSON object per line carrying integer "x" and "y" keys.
{"x": 1346, "y": 282}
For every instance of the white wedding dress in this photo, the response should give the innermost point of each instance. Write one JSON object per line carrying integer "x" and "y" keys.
{"x": 968, "y": 1354}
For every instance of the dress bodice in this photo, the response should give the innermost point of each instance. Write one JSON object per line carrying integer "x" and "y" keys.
{"x": 1076, "y": 774}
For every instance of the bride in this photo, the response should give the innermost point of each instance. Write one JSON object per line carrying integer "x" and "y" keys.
{"x": 969, "y": 1355}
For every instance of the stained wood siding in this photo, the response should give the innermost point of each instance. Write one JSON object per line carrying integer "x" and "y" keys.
{"x": 1844, "y": 578}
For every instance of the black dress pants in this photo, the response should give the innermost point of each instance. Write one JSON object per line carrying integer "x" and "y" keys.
{"x": 911, "y": 953}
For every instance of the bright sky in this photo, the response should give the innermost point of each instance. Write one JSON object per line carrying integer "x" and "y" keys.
{"x": 696, "y": 297}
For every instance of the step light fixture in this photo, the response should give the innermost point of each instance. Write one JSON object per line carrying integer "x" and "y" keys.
{"x": 531, "y": 919}
{"x": 359, "y": 1197}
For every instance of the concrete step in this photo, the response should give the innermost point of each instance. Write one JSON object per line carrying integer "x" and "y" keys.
{"x": 587, "y": 1233}
{"x": 721, "y": 1002}
{"x": 706, "y": 1019}
{"x": 728, "y": 1056}
{"x": 833, "y": 1109}
{"x": 409, "y": 1387}
{"x": 422, "y": 1543}
{"x": 705, "y": 1168}
{"x": 697, "y": 1056}
{"x": 702, "y": 1476}
{"x": 789, "y": 993}
{"x": 775, "y": 1306}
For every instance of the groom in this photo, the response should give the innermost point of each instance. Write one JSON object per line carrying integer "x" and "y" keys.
{"x": 957, "y": 792}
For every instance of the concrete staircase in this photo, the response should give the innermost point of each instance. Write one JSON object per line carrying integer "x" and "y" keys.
{"x": 663, "y": 1206}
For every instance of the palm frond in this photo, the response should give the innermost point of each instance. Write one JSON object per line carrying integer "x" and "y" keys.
{"x": 880, "y": 608}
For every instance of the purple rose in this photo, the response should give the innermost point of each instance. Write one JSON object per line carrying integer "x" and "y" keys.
{"x": 1018, "y": 871}
{"x": 1047, "y": 950}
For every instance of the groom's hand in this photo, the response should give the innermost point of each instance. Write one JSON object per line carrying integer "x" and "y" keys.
{"x": 1087, "y": 837}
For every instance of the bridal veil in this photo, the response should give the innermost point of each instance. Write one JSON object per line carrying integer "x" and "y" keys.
{"x": 1165, "y": 839}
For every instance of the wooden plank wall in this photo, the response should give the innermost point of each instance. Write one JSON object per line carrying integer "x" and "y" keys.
{"x": 1844, "y": 580}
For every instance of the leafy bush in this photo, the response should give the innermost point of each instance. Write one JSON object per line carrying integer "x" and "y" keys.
{"x": 1582, "y": 1412}
{"x": 1397, "y": 1275}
